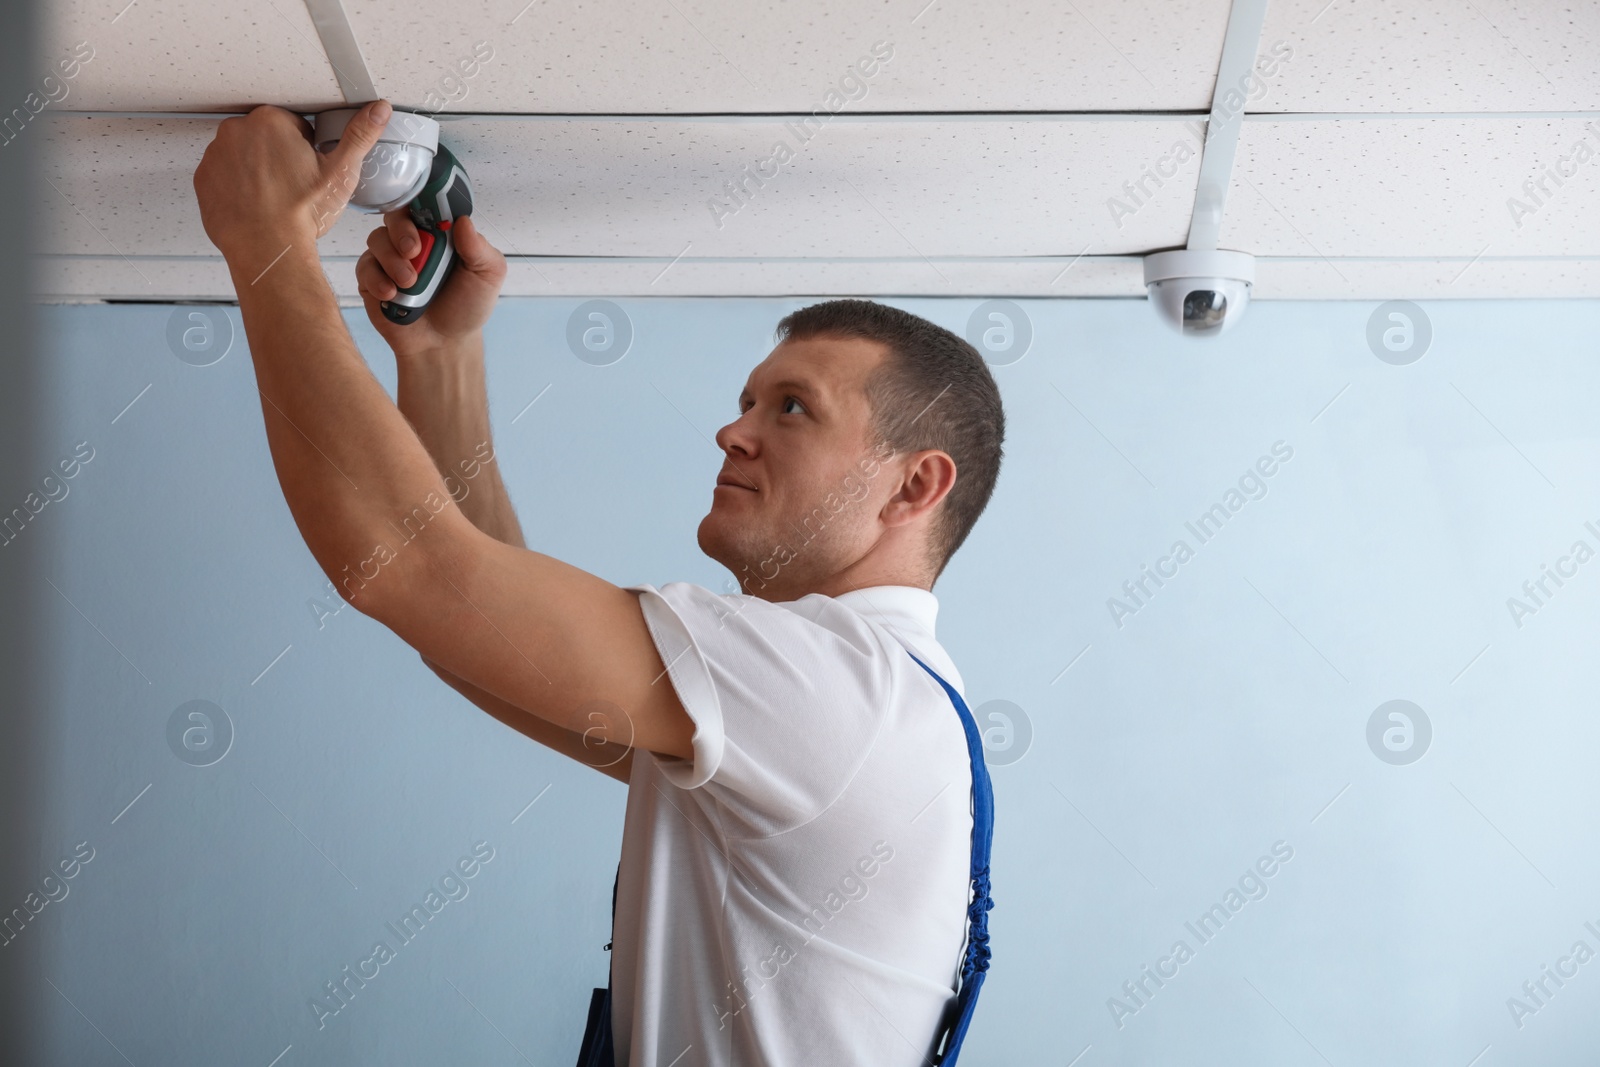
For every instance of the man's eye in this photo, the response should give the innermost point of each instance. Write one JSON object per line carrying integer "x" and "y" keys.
{"x": 792, "y": 400}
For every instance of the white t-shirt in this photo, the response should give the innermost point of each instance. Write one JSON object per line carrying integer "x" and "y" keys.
{"x": 795, "y": 894}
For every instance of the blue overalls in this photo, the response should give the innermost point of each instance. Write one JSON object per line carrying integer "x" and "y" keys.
{"x": 597, "y": 1050}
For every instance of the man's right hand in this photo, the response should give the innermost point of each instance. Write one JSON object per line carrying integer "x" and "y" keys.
{"x": 462, "y": 305}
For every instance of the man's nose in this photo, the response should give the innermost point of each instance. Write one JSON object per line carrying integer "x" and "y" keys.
{"x": 738, "y": 437}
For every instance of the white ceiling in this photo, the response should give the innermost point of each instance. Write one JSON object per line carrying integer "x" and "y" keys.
{"x": 1375, "y": 162}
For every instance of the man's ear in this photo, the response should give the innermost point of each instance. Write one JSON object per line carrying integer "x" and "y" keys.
{"x": 927, "y": 478}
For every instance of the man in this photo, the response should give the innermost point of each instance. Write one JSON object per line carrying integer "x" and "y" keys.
{"x": 794, "y": 877}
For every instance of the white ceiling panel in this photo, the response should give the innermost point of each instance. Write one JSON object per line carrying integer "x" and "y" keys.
{"x": 679, "y": 56}
{"x": 587, "y": 187}
{"x": 1414, "y": 187}
{"x": 1433, "y": 55}
{"x": 890, "y": 187}
{"x": 188, "y": 55}
{"x": 1001, "y": 148}
{"x": 657, "y": 56}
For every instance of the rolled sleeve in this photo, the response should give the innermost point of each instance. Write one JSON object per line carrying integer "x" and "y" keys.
{"x": 787, "y": 699}
{"x": 691, "y": 677}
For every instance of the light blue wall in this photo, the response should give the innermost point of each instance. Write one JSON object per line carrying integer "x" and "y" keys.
{"x": 1221, "y": 718}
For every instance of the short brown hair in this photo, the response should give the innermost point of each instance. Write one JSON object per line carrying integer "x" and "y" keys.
{"x": 932, "y": 391}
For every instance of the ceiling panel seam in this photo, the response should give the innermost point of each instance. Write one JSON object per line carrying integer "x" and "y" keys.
{"x": 891, "y": 116}
{"x": 342, "y": 50}
{"x": 1132, "y": 257}
{"x": 719, "y": 118}
{"x": 1344, "y": 116}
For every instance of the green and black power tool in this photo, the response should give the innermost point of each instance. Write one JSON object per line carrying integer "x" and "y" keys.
{"x": 409, "y": 168}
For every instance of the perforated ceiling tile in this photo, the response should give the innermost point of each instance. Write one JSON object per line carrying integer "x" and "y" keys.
{"x": 995, "y": 187}
{"x": 188, "y": 55}
{"x": 769, "y": 56}
{"x": 702, "y": 200}
{"x": 1415, "y": 187}
{"x": 123, "y": 187}
{"x": 589, "y": 187}
{"x": 1434, "y": 55}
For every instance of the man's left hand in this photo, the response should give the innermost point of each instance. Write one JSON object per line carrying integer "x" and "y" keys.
{"x": 262, "y": 186}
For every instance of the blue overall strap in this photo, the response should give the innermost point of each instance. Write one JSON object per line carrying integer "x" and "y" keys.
{"x": 976, "y": 960}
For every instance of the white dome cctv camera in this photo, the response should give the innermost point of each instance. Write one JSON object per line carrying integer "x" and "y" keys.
{"x": 396, "y": 168}
{"x": 1199, "y": 293}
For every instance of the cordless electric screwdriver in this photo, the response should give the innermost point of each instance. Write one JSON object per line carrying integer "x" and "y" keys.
{"x": 444, "y": 198}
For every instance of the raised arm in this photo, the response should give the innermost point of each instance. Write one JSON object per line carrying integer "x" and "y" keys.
{"x": 523, "y": 627}
{"x": 444, "y": 396}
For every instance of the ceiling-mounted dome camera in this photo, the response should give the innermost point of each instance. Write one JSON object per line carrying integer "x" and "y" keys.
{"x": 1199, "y": 294}
{"x": 396, "y": 168}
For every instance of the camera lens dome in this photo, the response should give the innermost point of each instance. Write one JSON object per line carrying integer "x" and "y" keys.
{"x": 1204, "y": 311}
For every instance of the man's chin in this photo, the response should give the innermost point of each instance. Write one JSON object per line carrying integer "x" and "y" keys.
{"x": 717, "y": 542}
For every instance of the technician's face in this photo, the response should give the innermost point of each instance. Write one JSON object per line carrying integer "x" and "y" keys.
{"x": 799, "y": 507}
